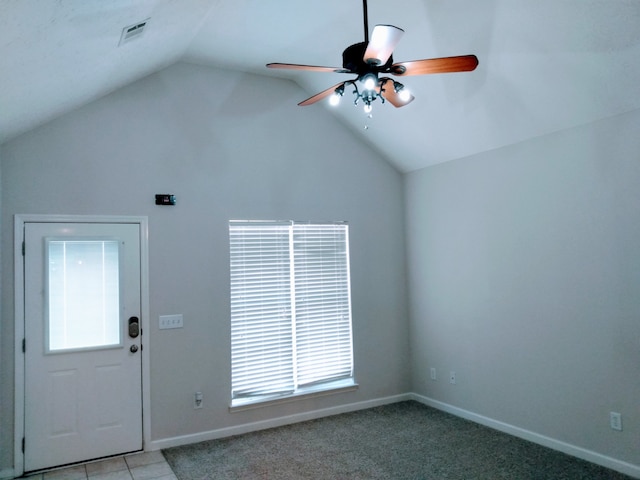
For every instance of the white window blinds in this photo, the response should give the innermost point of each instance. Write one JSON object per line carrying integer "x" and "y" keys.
{"x": 290, "y": 307}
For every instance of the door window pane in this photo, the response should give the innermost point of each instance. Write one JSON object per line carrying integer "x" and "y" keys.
{"x": 83, "y": 294}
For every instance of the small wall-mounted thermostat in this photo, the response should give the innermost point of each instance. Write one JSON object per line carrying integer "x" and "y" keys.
{"x": 165, "y": 199}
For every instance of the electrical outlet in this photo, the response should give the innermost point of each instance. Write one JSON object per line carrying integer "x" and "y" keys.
{"x": 452, "y": 377}
{"x": 615, "y": 420}
{"x": 197, "y": 400}
{"x": 433, "y": 373}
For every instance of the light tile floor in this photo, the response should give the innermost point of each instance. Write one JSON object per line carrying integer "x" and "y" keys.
{"x": 137, "y": 466}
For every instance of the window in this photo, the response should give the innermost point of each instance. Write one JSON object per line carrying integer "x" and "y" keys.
{"x": 290, "y": 309}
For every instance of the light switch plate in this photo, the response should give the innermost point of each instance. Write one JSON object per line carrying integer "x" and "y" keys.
{"x": 615, "y": 421}
{"x": 170, "y": 321}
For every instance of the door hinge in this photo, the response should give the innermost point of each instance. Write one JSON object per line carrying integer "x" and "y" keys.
{"x": 23, "y": 248}
{"x": 22, "y": 444}
{"x": 24, "y": 345}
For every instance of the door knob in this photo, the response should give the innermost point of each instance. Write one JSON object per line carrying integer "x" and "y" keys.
{"x": 133, "y": 349}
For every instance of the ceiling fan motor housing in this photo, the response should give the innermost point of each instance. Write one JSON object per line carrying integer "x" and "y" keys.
{"x": 353, "y": 61}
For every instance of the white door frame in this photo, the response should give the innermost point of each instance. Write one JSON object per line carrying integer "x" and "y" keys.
{"x": 19, "y": 223}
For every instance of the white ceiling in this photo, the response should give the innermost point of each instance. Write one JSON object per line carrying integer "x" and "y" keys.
{"x": 545, "y": 65}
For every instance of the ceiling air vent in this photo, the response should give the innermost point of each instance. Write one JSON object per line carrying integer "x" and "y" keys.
{"x": 132, "y": 32}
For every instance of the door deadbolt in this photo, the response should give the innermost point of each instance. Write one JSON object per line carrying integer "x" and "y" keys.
{"x": 134, "y": 327}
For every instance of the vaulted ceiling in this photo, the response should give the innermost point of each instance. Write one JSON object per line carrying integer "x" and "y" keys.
{"x": 545, "y": 65}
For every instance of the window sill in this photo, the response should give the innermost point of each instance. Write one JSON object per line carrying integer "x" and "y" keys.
{"x": 333, "y": 388}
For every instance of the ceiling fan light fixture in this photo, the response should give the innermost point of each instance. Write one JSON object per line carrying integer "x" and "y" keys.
{"x": 403, "y": 93}
{"x": 334, "y": 99}
{"x": 369, "y": 81}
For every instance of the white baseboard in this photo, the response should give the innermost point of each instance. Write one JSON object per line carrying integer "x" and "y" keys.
{"x": 274, "y": 422}
{"x": 573, "y": 450}
{"x": 7, "y": 473}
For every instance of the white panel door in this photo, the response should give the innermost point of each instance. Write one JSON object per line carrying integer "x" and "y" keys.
{"x": 83, "y": 367}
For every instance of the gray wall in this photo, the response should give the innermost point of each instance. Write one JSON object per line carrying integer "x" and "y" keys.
{"x": 524, "y": 275}
{"x": 228, "y": 146}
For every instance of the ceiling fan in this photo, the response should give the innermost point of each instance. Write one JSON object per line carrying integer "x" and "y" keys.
{"x": 371, "y": 59}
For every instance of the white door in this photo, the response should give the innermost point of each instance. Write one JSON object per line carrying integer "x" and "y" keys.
{"x": 83, "y": 391}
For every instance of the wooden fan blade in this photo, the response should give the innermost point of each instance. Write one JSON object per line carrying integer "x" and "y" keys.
{"x": 319, "y": 96}
{"x": 383, "y": 41}
{"x": 308, "y": 68}
{"x": 463, "y": 63}
{"x": 393, "y": 97}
